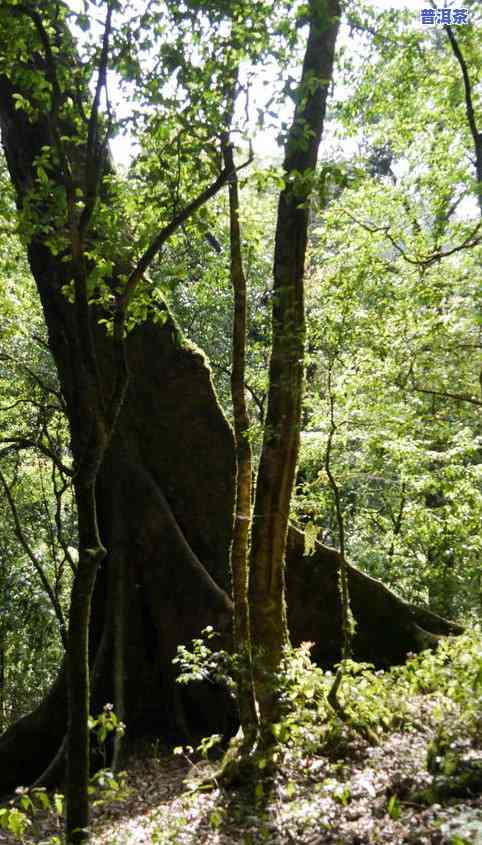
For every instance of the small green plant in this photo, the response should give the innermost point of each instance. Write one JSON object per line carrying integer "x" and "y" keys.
{"x": 15, "y": 821}
{"x": 202, "y": 663}
{"x": 17, "y": 817}
{"x": 394, "y": 809}
{"x": 451, "y": 677}
{"x": 105, "y": 723}
{"x": 107, "y": 786}
{"x": 104, "y": 786}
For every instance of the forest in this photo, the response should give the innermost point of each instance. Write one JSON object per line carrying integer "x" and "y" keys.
{"x": 240, "y": 428}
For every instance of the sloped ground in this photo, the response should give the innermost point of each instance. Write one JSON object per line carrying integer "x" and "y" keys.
{"x": 351, "y": 794}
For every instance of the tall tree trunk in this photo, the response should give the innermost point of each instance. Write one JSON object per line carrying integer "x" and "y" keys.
{"x": 91, "y": 554}
{"x": 244, "y": 468}
{"x": 279, "y": 455}
{"x": 470, "y": 110}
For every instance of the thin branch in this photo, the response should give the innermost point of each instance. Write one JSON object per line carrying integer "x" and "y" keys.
{"x": 23, "y": 401}
{"x": 457, "y": 397}
{"x": 9, "y": 450}
{"x": 259, "y": 401}
{"x": 346, "y": 616}
{"x": 50, "y": 526}
{"x": 469, "y": 104}
{"x": 19, "y": 443}
{"x": 469, "y": 242}
{"x": 346, "y": 626}
{"x": 56, "y": 90}
{"x": 49, "y": 58}
{"x": 158, "y": 242}
{"x": 58, "y": 493}
{"x": 397, "y": 521}
{"x": 94, "y": 155}
{"x": 5, "y": 356}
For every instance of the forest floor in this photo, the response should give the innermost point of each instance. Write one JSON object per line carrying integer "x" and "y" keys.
{"x": 358, "y": 799}
{"x": 314, "y": 801}
{"x": 420, "y": 784}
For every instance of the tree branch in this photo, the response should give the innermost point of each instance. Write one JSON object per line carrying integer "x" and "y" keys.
{"x": 18, "y": 443}
{"x": 56, "y": 90}
{"x": 457, "y": 397}
{"x": 469, "y": 108}
{"x": 158, "y": 242}
{"x": 470, "y": 241}
{"x": 469, "y": 104}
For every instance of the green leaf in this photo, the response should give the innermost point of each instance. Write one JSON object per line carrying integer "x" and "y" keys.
{"x": 393, "y": 808}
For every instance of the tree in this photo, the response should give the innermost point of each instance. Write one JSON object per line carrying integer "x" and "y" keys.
{"x": 153, "y": 455}
{"x": 279, "y": 451}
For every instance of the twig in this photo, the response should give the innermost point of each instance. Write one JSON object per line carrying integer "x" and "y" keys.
{"x": 56, "y": 90}
{"x": 457, "y": 397}
{"x": 19, "y": 443}
{"x": 94, "y": 155}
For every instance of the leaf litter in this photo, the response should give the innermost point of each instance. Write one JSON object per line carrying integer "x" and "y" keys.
{"x": 363, "y": 796}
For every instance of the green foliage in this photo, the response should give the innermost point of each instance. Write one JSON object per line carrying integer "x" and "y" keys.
{"x": 103, "y": 727}
{"x": 14, "y": 820}
{"x": 105, "y": 723}
{"x": 105, "y": 786}
{"x": 392, "y": 311}
{"x": 33, "y": 431}
{"x": 21, "y": 814}
{"x": 450, "y": 678}
{"x": 202, "y": 663}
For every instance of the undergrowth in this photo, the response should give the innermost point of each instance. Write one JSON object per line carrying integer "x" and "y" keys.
{"x": 450, "y": 678}
{"x": 431, "y": 705}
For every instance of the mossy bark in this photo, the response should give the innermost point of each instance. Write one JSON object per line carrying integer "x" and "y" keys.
{"x": 387, "y": 628}
{"x": 78, "y": 669}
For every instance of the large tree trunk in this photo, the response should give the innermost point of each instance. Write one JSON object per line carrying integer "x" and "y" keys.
{"x": 165, "y": 499}
{"x": 171, "y": 597}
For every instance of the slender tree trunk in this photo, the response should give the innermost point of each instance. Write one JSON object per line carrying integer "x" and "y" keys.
{"x": 78, "y": 745}
{"x": 242, "y": 517}
{"x": 118, "y": 592}
{"x": 470, "y": 110}
{"x": 279, "y": 454}
{"x": 2, "y": 686}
